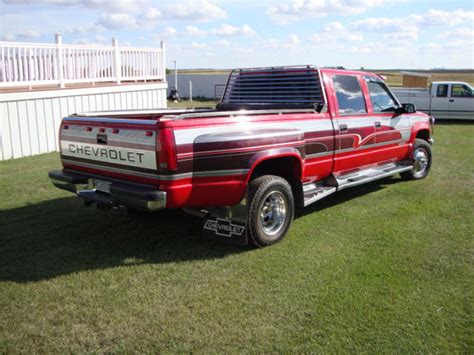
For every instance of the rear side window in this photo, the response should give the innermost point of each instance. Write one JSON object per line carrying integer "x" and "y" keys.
{"x": 442, "y": 90}
{"x": 381, "y": 99}
{"x": 349, "y": 95}
{"x": 459, "y": 90}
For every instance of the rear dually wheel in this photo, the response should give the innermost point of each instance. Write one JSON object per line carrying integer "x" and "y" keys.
{"x": 271, "y": 210}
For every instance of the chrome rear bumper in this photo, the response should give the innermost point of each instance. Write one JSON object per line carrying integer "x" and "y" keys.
{"x": 109, "y": 193}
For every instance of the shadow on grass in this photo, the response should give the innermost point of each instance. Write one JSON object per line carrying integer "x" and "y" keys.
{"x": 59, "y": 237}
{"x": 348, "y": 194}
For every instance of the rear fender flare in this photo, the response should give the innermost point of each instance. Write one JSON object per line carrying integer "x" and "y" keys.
{"x": 287, "y": 152}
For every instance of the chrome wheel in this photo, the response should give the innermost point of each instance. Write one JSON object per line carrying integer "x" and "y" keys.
{"x": 420, "y": 162}
{"x": 273, "y": 213}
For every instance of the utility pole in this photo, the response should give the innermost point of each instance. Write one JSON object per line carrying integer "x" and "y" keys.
{"x": 175, "y": 75}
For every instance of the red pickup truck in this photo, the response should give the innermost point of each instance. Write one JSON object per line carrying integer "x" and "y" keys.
{"x": 280, "y": 139}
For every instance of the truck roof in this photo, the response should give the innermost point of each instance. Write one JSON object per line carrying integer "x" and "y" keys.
{"x": 450, "y": 82}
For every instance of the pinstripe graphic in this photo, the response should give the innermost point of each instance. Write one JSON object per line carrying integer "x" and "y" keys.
{"x": 185, "y": 156}
{"x": 210, "y": 173}
{"x": 189, "y": 136}
{"x": 109, "y": 168}
{"x": 241, "y": 137}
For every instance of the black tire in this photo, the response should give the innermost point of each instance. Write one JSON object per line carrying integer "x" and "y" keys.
{"x": 270, "y": 210}
{"x": 421, "y": 167}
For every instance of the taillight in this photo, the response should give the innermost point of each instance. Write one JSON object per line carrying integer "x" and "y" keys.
{"x": 166, "y": 148}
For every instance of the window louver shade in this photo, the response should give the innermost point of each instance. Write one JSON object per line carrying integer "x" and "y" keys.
{"x": 298, "y": 86}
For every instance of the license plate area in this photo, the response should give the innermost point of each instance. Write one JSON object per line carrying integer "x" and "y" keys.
{"x": 101, "y": 185}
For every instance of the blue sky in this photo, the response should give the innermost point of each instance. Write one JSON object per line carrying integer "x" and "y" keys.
{"x": 231, "y": 33}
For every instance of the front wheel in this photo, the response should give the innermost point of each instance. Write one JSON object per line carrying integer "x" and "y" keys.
{"x": 271, "y": 210}
{"x": 422, "y": 159}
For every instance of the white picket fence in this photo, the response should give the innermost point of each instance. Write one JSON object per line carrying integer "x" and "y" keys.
{"x": 32, "y": 64}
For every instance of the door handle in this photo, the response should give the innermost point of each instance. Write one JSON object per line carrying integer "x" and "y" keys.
{"x": 343, "y": 127}
{"x": 451, "y": 100}
{"x": 378, "y": 125}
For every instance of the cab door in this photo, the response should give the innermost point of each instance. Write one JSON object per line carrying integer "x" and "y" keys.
{"x": 392, "y": 131}
{"x": 354, "y": 128}
{"x": 461, "y": 101}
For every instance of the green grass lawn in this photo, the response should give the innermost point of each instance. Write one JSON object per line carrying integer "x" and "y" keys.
{"x": 385, "y": 267}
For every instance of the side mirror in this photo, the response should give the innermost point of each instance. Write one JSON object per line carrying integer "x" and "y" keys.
{"x": 406, "y": 108}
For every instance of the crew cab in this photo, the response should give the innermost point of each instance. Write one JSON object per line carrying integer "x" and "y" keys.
{"x": 443, "y": 99}
{"x": 280, "y": 139}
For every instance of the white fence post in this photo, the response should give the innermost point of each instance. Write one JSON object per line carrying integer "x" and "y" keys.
{"x": 190, "y": 91}
{"x": 117, "y": 60}
{"x": 163, "y": 60}
{"x": 59, "y": 58}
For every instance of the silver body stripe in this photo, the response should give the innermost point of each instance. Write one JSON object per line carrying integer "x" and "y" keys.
{"x": 189, "y": 136}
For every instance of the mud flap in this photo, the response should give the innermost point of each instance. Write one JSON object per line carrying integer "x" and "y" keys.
{"x": 227, "y": 224}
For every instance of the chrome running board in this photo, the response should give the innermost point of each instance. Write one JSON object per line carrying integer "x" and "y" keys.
{"x": 314, "y": 192}
{"x": 370, "y": 174}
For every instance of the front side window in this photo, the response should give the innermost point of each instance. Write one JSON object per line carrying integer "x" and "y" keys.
{"x": 381, "y": 99}
{"x": 460, "y": 90}
{"x": 442, "y": 90}
{"x": 349, "y": 95}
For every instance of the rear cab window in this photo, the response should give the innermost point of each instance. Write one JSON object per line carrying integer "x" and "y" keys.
{"x": 442, "y": 90}
{"x": 350, "y": 97}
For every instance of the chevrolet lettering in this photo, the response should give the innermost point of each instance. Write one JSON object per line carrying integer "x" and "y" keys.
{"x": 113, "y": 154}
{"x": 280, "y": 139}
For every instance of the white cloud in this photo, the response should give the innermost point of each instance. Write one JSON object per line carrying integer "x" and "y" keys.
{"x": 221, "y": 31}
{"x": 168, "y": 32}
{"x": 117, "y": 21}
{"x": 193, "y": 11}
{"x": 334, "y": 32}
{"x": 98, "y": 40}
{"x": 401, "y": 36}
{"x": 198, "y": 46}
{"x": 196, "y": 11}
{"x": 152, "y": 14}
{"x": 103, "y": 5}
{"x": 194, "y": 31}
{"x": 409, "y": 27}
{"x": 20, "y": 35}
{"x": 85, "y": 29}
{"x": 112, "y": 5}
{"x": 300, "y": 9}
{"x": 294, "y": 39}
{"x": 459, "y": 33}
{"x": 383, "y": 24}
{"x": 458, "y": 44}
{"x": 229, "y": 30}
{"x": 222, "y": 43}
{"x": 449, "y": 18}
{"x": 280, "y": 44}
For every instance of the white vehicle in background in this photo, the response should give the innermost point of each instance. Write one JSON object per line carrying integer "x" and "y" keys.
{"x": 443, "y": 100}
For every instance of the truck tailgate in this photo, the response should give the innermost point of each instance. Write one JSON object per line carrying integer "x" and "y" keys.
{"x": 123, "y": 148}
